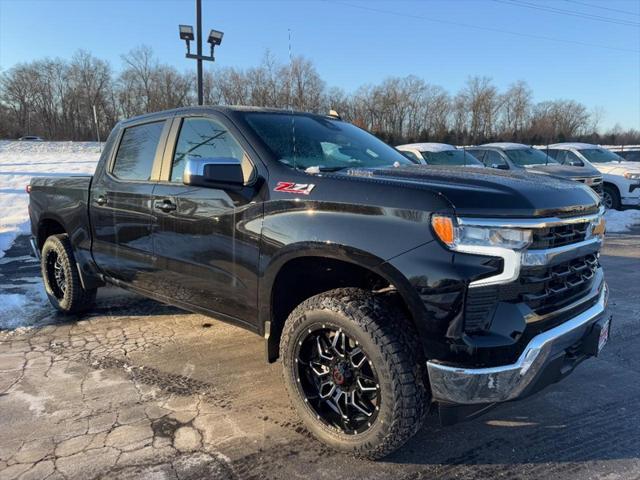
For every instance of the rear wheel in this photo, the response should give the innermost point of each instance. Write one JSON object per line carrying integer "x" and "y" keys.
{"x": 353, "y": 372}
{"x": 611, "y": 197}
{"x": 61, "y": 278}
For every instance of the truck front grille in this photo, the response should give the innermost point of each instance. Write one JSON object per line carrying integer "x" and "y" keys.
{"x": 559, "y": 235}
{"x": 594, "y": 182}
{"x": 545, "y": 289}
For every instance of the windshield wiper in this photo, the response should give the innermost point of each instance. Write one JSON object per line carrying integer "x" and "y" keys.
{"x": 334, "y": 169}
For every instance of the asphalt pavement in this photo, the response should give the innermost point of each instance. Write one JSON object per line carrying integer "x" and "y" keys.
{"x": 136, "y": 389}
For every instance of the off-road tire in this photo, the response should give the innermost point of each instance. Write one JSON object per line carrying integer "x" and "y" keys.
{"x": 615, "y": 197}
{"x": 389, "y": 341}
{"x": 74, "y": 299}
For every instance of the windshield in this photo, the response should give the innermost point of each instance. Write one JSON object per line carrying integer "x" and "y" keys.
{"x": 600, "y": 155}
{"x": 529, "y": 156}
{"x": 450, "y": 157}
{"x": 303, "y": 141}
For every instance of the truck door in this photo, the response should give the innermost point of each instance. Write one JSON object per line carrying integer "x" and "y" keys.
{"x": 206, "y": 240}
{"x": 120, "y": 204}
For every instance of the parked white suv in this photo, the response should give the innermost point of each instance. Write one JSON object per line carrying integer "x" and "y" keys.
{"x": 438, "y": 154}
{"x": 621, "y": 178}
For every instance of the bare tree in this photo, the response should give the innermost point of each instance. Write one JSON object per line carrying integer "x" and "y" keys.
{"x": 482, "y": 103}
{"x": 55, "y": 98}
{"x": 515, "y": 111}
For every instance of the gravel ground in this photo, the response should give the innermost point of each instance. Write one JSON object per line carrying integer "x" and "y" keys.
{"x": 136, "y": 389}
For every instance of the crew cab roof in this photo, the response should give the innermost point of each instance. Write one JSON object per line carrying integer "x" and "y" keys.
{"x": 428, "y": 147}
{"x": 505, "y": 145}
{"x": 221, "y": 109}
{"x": 576, "y": 145}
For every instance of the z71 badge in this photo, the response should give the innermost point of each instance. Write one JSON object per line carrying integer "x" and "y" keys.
{"x": 298, "y": 188}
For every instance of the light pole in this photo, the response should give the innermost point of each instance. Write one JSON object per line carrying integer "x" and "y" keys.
{"x": 186, "y": 34}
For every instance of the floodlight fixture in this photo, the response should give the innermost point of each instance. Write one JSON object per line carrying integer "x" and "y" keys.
{"x": 215, "y": 37}
{"x": 186, "y": 32}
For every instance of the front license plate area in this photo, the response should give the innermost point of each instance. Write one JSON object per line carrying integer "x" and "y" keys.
{"x": 597, "y": 338}
{"x": 603, "y": 338}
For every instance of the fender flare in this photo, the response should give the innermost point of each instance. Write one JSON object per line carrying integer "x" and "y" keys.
{"x": 343, "y": 253}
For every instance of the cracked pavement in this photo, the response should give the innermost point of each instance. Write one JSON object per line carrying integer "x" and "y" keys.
{"x": 136, "y": 389}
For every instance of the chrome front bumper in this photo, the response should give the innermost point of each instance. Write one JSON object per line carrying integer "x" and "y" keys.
{"x": 466, "y": 386}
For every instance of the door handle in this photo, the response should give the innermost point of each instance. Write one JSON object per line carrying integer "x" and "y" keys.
{"x": 165, "y": 205}
{"x": 101, "y": 200}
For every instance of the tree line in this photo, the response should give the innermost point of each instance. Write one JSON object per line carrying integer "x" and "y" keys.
{"x": 56, "y": 98}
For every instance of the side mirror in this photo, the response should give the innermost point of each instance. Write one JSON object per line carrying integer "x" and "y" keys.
{"x": 500, "y": 166}
{"x": 576, "y": 163}
{"x": 222, "y": 172}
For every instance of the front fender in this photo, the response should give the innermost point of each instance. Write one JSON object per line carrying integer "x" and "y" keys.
{"x": 366, "y": 236}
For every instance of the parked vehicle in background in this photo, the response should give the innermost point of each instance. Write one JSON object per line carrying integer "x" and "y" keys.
{"x": 621, "y": 177}
{"x": 517, "y": 156}
{"x": 385, "y": 287}
{"x": 30, "y": 138}
{"x": 631, "y": 154}
{"x": 439, "y": 154}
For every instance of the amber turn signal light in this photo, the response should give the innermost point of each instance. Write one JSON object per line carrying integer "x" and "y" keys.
{"x": 443, "y": 227}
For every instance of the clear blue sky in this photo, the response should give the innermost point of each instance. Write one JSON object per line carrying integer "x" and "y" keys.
{"x": 353, "y": 42}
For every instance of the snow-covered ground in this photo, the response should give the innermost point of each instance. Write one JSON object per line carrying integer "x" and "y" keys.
{"x": 20, "y": 161}
{"x": 619, "y": 222}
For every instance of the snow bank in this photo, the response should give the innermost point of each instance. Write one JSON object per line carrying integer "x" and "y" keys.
{"x": 618, "y": 222}
{"x": 20, "y": 161}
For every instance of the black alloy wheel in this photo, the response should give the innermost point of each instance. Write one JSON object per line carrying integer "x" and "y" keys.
{"x": 56, "y": 276}
{"x": 337, "y": 380}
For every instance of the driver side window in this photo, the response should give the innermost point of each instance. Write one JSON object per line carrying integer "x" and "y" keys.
{"x": 565, "y": 157}
{"x": 203, "y": 138}
{"x": 411, "y": 156}
{"x": 494, "y": 159}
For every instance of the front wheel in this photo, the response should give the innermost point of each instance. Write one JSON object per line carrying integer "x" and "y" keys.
{"x": 61, "y": 278}
{"x": 353, "y": 372}
{"x": 611, "y": 198}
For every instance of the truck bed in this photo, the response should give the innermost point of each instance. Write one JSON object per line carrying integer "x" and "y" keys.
{"x": 61, "y": 204}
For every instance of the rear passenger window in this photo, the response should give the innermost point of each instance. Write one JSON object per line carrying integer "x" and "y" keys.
{"x": 137, "y": 151}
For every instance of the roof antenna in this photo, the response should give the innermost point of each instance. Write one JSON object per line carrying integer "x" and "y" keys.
{"x": 293, "y": 118}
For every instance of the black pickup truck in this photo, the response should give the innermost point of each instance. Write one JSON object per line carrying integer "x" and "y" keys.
{"x": 388, "y": 289}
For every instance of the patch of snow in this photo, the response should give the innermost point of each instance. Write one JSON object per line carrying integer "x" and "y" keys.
{"x": 621, "y": 221}
{"x": 18, "y": 309}
{"x": 21, "y": 161}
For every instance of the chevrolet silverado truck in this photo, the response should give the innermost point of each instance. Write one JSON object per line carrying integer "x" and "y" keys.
{"x": 387, "y": 289}
{"x": 517, "y": 156}
{"x": 621, "y": 176}
{"x": 438, "y": 154}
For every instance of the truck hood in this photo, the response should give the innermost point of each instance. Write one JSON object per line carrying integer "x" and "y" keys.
{"x": 618, "y": 168}
{"x": 489, "y": 192}
{"x": 565, "y": 171}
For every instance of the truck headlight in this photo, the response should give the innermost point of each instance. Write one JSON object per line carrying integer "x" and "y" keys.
{"x": 596, "y": 228}
{"x": 456, "y": 236}
{"x": 632, "y": 176}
